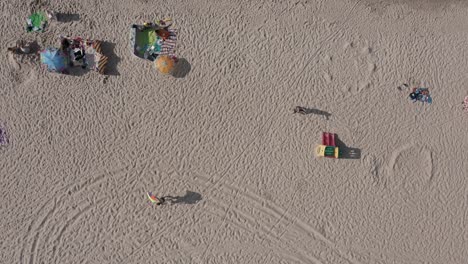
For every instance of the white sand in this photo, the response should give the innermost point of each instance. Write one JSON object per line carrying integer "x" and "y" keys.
{"x": 83, "y": 152}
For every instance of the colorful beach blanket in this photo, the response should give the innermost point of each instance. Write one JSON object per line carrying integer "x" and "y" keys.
{"x": 421, "y": 94}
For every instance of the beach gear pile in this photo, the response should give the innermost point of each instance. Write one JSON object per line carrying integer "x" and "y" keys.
{"x": 421, "y": 94}
{"x": 150, "y": 40}
{"x": 84, "y": 53}
{"x": 74, "y": 52}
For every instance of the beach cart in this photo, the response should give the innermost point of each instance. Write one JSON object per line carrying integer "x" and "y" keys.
{"x": 328, "y": 148}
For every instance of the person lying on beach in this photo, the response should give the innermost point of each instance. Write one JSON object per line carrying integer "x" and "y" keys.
{"x": 14, "y": 50}
{"x": 21, "y": 47}
{"x": 300, "y": 110}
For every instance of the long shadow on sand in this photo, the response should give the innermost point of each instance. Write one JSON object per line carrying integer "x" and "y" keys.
{"x": 188, "y": 198}
{"x": 347, "y": 152}
{"x": 67, "y": 17}
{"x": 108, "y": 48}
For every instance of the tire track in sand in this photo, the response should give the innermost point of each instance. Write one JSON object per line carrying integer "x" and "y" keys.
{"x": 126, "y": 181}
{"x": 265, "y": 206}
{"x": 31, "y": 241}
{"x": 272, "y": 209}
{"x": 70, "y": 222}
{"x": 37, "y": 230}
{"x": 262, "y": 228}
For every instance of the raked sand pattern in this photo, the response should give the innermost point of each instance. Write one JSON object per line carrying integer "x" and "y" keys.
{"x": 220, "y": 136}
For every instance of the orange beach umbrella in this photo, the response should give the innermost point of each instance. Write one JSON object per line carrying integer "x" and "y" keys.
{"x": 164, "y": 64}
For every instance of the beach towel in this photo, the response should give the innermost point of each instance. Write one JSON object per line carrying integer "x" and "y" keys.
{"x": 169, "y": 45}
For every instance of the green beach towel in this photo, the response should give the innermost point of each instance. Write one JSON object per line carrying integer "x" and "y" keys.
{"x": 37, "y": 22}
{"x": 145, "y": 39}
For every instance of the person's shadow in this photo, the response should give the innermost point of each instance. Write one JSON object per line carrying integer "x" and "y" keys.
{"x": 188, "y": 198}
{"x": 347, "y": 152}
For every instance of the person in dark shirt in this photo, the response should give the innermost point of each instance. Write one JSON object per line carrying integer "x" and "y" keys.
{"x": 300, "y": 110}
{"x": 161, "y": 200}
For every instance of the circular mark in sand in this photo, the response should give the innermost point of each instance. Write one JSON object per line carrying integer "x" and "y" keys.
{"x": 410, "y": 168}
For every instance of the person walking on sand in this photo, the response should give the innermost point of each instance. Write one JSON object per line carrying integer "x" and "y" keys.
{"x": 300, "y": 110}
{"x": 160, "y": 201}
{"x": 154, "y": 199}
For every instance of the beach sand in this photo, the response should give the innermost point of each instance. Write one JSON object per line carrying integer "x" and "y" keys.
{"x": 221, "y": 136}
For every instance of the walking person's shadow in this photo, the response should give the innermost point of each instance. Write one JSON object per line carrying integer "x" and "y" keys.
{"x": 188, "y": 198}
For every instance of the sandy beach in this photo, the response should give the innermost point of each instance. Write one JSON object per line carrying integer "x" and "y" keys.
{"x": 220, "y": 138}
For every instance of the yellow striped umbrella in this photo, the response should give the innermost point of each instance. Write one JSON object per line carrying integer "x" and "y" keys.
{"x": 164, "y": 64}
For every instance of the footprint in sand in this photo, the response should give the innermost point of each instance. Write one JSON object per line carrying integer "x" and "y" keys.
{"x": 373, "y": 164}
{"x": 410, "y": 168}
{"x": 328, "y": 77}
{"x": 360, "y": 63}
{"x": 12, "y": 59}
{"x": 21, "y": 74}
